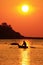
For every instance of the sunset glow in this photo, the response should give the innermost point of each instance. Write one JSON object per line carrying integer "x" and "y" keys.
{"x": 25, "y": 57}
{"x": 25, "y": 8}
{"x": 24, "y": 16}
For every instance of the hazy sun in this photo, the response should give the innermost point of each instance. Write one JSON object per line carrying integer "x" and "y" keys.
{"x": 25, "y": 8}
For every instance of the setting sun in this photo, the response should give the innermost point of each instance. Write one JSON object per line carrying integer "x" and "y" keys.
{"x": 25, "y": 8}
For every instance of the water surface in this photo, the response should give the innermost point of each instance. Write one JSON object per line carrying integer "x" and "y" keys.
{"x": 12, "y": 55}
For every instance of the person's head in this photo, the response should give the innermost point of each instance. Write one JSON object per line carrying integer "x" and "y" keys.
{"x": 23, "y": 41}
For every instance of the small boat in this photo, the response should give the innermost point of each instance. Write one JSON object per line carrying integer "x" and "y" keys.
{"x": 22, "y": 46}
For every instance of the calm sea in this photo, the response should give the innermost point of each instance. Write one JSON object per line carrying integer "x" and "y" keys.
{"x": 12, "y": 55}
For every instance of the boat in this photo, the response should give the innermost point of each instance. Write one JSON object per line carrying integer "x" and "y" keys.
{"x": 23, "y": 45}
{"x": 20, "y": 46}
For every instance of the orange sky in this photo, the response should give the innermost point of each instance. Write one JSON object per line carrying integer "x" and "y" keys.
{"x": 27, "y": 25}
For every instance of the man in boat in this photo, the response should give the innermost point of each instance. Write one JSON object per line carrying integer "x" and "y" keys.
{"x": 24, "y": 43}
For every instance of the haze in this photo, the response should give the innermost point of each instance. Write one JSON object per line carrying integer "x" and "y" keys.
{"x": 30, "y": 24}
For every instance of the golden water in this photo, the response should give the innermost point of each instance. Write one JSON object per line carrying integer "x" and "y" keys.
{"x": 12, "y": 55}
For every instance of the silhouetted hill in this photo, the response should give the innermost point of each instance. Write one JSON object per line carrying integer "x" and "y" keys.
{"x": 6, "y": 32}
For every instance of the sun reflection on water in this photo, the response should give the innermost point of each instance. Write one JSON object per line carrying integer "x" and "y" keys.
{"x": 25, "y": 54}
{"x": 25, "y": 57}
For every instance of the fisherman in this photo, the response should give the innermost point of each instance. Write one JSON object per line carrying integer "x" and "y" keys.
{"x": 24, "y": 43}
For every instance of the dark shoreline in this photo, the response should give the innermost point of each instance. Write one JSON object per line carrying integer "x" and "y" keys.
{"x": 34, "y": 37}
{"x": 25, "y": 38}
{"x": 7, "y": 32}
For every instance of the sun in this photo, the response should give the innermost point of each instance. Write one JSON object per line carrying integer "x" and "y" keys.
{"x": 25, "y": 8}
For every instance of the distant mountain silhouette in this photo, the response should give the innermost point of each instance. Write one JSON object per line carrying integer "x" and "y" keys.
{"x": 6, "y": 32}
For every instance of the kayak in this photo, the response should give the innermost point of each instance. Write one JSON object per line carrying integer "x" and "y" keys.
{"x": 23, "y": 46}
